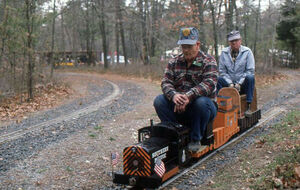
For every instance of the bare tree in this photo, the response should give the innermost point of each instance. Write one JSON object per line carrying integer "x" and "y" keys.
{"x": 63, "y": 40}
{"x": 101, "y": 15}
{"x": 200, "y": 4}
{"x": 229, "y": 15}
{"x": 142, "y": 16}
{"x": 245, "y": 20}
{"x": 237, "y": 16}
{"x": 120, "y": 24}
{"x": 51, "y": 60}
{"x": 215, "y": 32}
{"x": 117, "y": 32}
{"x": 3, "y": 22}
{"x": 256, "y": 28}
{"x": 30, "y": 6}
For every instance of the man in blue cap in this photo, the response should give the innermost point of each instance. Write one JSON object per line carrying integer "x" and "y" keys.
{"x": 236, "y": 68}
{"x": 189, "y": 88}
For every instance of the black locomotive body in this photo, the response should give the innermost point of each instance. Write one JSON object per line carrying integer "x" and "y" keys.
{"x": 164, "y": 141}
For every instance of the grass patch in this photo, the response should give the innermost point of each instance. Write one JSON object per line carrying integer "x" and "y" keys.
{"x": 271, "y": 163}
{"x": 111, "y": 139}
{"x": 69, "y": 169}
{"x": 93, "y": 135}
{"x": 42, "y": 170}
{"x": 280, "y": 172}
{"x": 98, "y": 128}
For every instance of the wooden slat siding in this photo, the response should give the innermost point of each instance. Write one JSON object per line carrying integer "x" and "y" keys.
{"x": 234, "y": 94}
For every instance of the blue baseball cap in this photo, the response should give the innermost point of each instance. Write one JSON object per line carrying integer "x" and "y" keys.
{"x": 188, "y": 36}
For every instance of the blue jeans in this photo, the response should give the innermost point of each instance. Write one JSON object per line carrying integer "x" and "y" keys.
{"x": 197, "y": 114}
{"x": 246, "y": 88}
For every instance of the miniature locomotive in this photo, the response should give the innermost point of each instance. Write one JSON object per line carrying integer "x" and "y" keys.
{"x": 167, "y": 142}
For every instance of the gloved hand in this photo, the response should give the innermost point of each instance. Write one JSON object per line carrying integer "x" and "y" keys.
{"x": 237, "y": 86}
{"x": 231, "y": 85}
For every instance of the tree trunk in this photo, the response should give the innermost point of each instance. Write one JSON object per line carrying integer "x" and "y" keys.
{"x": 63, "y": 36}
{"x": 117, "y": 37}
{"x": 52, "y": 39}
{"x": 214, "y": 30}
{"x": 256, "y": 29}
{"x": 103, "y": 32}
{"x": 202, "y": 36}
{"x": 245, "y": 20}
{"x": 120, "y": 20}
{"x": 237, "y": 18}
{"x": 219, "y": 13}
{"x": 73, "y": 38}
{"x": 93, "y": 33}
{"x": 3, "y": 17}
{"x": 87, "y": 33}
{"x": 245, "y": 33}
{"x": 144, "y": 56}
{"x": 30, "y": 9}
{"x": 229, "y": 15}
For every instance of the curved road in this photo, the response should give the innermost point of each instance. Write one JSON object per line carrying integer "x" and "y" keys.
{"x": 20, "y": 141}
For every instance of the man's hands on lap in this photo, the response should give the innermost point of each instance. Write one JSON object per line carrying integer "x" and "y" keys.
{"x": 181, "y": 101}
{"x": 237, "y": 86}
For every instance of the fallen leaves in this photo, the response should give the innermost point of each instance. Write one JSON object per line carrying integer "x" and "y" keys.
{"x": 45, "y": 97}
{"x": 297, "y": 172}
{"x": 264, "y": 80}
{"x": 287, "y": 176}
{"x": 260, "y": 143}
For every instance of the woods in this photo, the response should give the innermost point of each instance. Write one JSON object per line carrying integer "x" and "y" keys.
{"x": 32, "y": 32}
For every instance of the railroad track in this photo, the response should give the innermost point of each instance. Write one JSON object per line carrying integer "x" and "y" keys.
{"x": 270, "y": 114}
{"x": 74, "y": 115}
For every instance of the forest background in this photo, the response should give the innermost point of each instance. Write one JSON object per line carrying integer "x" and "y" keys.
{"x": 36, "y": 36}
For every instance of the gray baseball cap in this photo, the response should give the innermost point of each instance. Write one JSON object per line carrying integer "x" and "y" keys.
{"x": 233, "y": 35}
{"x": 188, "y": 36}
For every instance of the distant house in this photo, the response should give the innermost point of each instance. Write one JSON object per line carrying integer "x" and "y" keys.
{"x": 172, "y": 52}
{"x": 113, "y": 60}
{"x": 211, "y": 49}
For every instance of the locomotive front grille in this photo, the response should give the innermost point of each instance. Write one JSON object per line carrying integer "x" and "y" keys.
{"x": 136, "y": 161}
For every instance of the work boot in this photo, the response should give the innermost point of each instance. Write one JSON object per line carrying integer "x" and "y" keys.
{"x": 194, "y": 146}
{"x": 248, "y": 112}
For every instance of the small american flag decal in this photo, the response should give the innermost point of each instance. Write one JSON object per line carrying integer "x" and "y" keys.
{"x": 159, "y": 168}
{"x": 114, "y": 158}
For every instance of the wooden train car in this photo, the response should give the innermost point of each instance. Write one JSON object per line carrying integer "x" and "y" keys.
{"x": 166, "y": 143}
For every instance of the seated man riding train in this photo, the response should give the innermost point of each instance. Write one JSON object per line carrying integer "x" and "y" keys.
{"x": 190, "y": 83}
{"x": 236, "y": 68}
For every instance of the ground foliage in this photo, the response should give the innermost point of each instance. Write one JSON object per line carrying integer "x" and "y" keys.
{"x": 273, "y": 162}
{"x": 46, "y": 96}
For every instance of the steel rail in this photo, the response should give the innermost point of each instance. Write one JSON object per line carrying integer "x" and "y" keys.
{"x": 266, "y": 117}
{"x": 74, "y": 115}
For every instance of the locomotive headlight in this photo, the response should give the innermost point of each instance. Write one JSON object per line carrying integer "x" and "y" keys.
{"x": 133, "y": 149}
{"x": 135, "y": 163}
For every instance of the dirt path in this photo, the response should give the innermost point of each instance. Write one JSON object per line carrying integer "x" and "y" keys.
{"x": 82, "y": 160}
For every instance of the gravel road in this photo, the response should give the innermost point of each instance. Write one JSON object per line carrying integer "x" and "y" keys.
{"x": 27, "y": 145}
{"x": 74, "y": 154}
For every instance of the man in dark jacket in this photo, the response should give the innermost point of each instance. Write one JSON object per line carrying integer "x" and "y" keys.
{"x": 189, "y": 88}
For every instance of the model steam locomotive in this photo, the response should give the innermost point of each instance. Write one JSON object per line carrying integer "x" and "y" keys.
{"x": 166, "y": 143}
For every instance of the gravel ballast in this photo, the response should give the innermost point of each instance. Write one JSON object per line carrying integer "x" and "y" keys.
{"x": 75, "y": 155}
